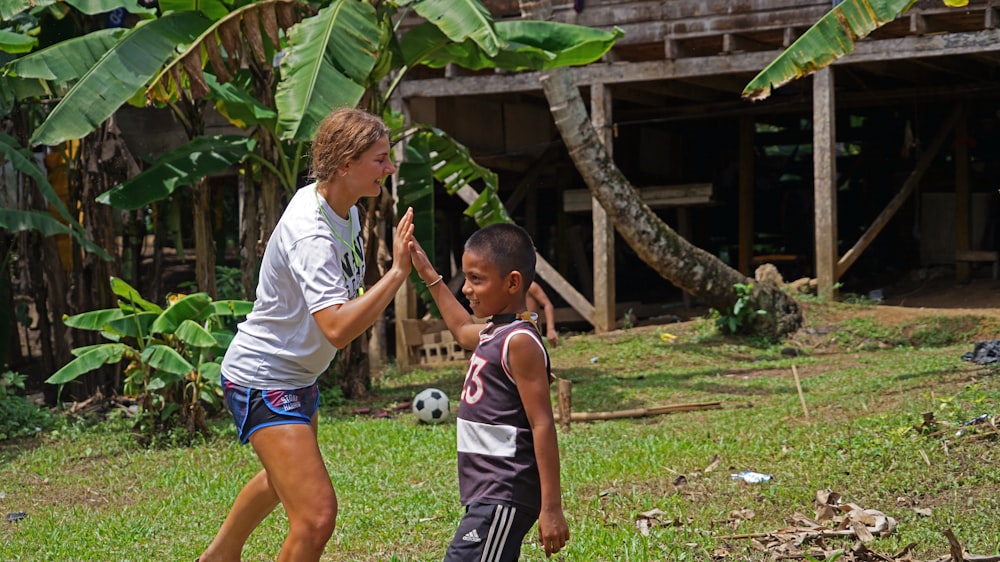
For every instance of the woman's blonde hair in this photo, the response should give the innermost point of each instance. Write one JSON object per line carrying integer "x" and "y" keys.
{"x": 343, "y": 136}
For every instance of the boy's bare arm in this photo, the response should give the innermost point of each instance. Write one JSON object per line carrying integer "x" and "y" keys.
{"x": 527, "y": 363}
{"x": 459, "y": 321}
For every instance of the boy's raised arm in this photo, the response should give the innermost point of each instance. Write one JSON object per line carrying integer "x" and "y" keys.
{"x": 458, "y": 319}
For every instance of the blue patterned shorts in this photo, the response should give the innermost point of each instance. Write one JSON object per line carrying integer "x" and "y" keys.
{"x": 253, "y": 408}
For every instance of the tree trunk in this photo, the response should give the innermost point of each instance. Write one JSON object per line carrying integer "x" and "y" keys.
{"x": 104, "y": 161}
{"x": 250, "y": 248}
{"x": 688, "y": 267}
{"x": 204, "y": 244}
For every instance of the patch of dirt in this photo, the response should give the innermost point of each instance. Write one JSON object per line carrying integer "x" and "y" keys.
{"x": 911, "y": 300}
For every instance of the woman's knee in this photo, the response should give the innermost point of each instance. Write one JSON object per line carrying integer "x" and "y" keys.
{"x": 319, "y": 521}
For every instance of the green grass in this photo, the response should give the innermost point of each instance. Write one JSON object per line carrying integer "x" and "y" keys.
{"x": 91, "y": 494}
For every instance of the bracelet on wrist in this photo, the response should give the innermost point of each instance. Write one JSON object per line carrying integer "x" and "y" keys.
{"x": 434, "y": 282}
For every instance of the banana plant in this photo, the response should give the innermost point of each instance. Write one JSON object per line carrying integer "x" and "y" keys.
{"x": 345, "y": 53}
{"x": 172, "y": 354}
{"x": 16, "y": 220}
{"x": 830, "y": 38}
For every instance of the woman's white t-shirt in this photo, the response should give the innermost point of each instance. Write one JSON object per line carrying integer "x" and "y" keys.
{"x": 305, "y": 268}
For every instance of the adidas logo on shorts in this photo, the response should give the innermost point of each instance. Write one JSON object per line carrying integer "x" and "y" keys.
{"x": 472, "y": 536}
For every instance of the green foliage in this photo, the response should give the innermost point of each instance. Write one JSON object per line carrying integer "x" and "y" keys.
{"x": 228, "y": 283}
{"x": 171, "y": 354}
{"x": 18, "y": 416}
{"x": 932, "y": 331}
{"x": 741, "y": 315}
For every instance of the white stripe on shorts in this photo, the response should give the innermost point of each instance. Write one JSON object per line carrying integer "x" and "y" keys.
{"x": 496, "y": 539}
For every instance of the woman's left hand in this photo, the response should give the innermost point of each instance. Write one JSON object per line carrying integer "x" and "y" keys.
{"x": 401, "y": 242}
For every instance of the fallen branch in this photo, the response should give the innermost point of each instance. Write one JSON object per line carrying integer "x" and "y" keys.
{"x": 811, "y": 533}
{"x": 642, "y": 412}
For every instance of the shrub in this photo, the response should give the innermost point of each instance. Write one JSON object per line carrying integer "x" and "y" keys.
{"x": 19, "y": 417}
{"x": 172, "y": 354}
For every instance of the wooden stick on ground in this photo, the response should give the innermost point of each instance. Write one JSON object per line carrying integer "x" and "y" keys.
{"x": 643, "y": 412}
{"x": 802, "y": 398}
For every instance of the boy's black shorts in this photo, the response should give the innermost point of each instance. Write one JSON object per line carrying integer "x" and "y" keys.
{"x": 490, "y": 533}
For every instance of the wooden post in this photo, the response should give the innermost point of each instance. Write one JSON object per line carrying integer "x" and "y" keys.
{"x": 565, "y": 400}
{"x": 963, "y": 224}
{"x": 604, "y": 232}
{"x": 824, "y": 181}
{"x": 746, "y": 196}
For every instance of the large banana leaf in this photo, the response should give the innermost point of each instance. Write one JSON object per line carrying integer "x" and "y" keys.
{"x": 165, "y": 358}
{"x": 231, "y": 308}
{"x": 214, "y": 9}
{"x": 137, "y": 326}
{"x": 234, "y": 102}
{"x": 453, "y": 166}
{"x": 832, "y": 37}
{"x": 92, "y": 359}
{"x": 192, "y": 334}
{"x": 95, "y": 7}
{"x": 326, "y": 66}
{"x": 94, "y": 320}
{"x": 54, "y": 68}
{"x": 16, "y": 220}
{"x": 118, "y": 75}
{"x": 16, "y": 43}
{"x": 10, "y": 8}
{"x": 180, "y": 167}
{"x": 528, "y": 45}
{"x": 129, "y": 300}
{"x": 22, "y": 161}
{"x": 197, "y": 306}
{"x": 461, "y": 20}
{"x": 225, "y": 44}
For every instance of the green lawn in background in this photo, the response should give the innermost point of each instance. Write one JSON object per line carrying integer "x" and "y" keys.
{"x": 90, "y": 493}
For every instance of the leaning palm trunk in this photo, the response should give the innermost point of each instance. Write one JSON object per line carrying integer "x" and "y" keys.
{"x": 688, "y": 267}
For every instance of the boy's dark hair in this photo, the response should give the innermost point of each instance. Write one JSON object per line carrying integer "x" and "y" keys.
{"x": 508, "y": 246}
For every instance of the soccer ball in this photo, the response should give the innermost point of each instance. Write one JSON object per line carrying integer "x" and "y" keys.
{"x": 431, "y": 406}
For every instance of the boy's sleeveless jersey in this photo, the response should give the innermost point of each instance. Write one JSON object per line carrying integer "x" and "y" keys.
{"x": 496, "y": 453}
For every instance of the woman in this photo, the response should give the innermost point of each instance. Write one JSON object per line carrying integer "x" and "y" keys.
{"x": 310, "y": 303}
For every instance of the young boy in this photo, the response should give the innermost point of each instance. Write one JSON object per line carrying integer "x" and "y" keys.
{"x": 508, "y": 457}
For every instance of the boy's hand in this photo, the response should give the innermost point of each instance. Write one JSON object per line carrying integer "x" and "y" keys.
{"x": 553, "y": 532}
{"x": 423, "y": 265}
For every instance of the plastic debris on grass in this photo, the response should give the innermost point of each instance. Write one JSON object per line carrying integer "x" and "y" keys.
{"x": 751, "y": 477}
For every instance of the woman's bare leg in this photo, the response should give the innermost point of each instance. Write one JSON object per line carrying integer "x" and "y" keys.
{"x": 255, "y": 501}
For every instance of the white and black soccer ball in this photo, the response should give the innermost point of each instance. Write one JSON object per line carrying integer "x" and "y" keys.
{"x": 431, "y": 405}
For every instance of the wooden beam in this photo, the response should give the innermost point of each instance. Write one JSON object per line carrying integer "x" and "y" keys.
{"x": 825, "y": 181}
{"x": 604, "y": 230}
{"x": 643, "y": 412}
{"x": 676, "y": 89}
{"x": 904, "y": 192}
{"x": 656, "y": 197}
{"x": 614, "y": 73}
